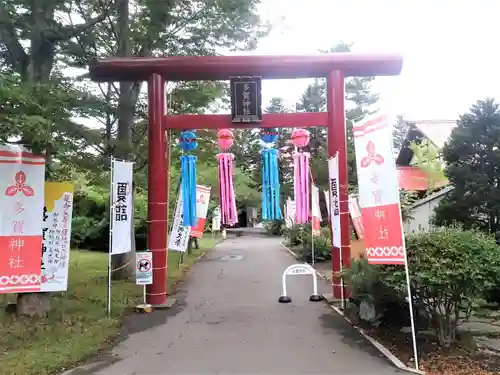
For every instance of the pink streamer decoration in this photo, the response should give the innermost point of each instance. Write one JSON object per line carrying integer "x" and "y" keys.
{"x": 301, "y": 187}
{"x": 226, "y": 189}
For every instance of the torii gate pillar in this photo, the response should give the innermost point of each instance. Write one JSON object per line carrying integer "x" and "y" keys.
{"x": 337, "y": 142}
{"x": 157, "y": 190}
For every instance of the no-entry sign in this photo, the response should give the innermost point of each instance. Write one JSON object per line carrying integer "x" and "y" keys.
{"x": 144, "y": 268}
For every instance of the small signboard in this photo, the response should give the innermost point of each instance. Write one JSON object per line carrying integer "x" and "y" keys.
{"x": 144, "y": 268}
{"x": 216, "y": 219}
{"x": 246, "y": 99}
{"x": 299, "y": 269}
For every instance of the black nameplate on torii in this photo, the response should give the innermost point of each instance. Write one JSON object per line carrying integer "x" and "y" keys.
{"x": 246, "y": 99}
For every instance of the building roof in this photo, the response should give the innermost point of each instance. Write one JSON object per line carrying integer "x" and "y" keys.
{"x": 436, "y": 131}
{"x": 431, "y": 197}
{"x": 415, "y": 179}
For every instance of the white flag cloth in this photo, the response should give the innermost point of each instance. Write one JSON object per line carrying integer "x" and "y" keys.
{"x": 121, "y": 214}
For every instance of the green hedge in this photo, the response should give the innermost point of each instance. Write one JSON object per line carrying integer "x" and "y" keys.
{"x": 451, "y": 271}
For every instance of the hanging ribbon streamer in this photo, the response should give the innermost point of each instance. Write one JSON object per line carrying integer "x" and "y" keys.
{"x": 227, "y": 199}
{"x": 271, "y": 209}
{"x": 300, "y": 138}
{"x": 188, "y": 142}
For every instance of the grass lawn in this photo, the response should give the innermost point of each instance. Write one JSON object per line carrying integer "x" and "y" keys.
{"x": 78, "y": 325}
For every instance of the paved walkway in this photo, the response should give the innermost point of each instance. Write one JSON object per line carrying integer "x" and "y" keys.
{"x": 228, "y": 321}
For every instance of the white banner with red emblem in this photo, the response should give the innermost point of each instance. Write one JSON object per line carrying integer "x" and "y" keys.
{"x": 202, "y": 200}
{"x": 333, "y": 173}
{"x": 22, "y": 178}
{"x": 378, "y": 191}
{"x": 121, "y": 210}
{"x": 315, "y": 211}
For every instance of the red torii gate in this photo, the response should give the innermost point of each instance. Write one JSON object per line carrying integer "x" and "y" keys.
{"x": 158, "y": 70}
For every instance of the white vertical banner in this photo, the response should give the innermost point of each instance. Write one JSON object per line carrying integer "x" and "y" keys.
{"x": 333, "y": 173}
{"x": 290, "y": 213}
{"x": 327, "y": 200}
{"x": 121, "y": 200}
{"x": 179, "y": 235}
{"x": 58, "y": 213}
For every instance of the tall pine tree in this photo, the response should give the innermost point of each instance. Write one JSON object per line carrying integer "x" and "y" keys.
{"x": 472, "y": 157}
{"x": 399, "y": 131}
{"x": 359, "y": 102}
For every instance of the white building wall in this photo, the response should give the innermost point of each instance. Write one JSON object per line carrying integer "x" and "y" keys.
{"x": 421, "y": 216}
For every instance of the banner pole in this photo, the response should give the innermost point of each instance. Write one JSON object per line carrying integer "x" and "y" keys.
{"x": 410, "y": 303}
{"x": 180, "y": 260}
{"x": 312, "y": 248}
{"x": 110, "y": 246}
{"x": 342, "y": 286}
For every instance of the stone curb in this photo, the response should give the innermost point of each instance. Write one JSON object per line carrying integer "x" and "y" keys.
{"x": 381, "y": 348}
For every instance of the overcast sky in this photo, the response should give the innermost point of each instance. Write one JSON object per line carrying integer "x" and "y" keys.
{"x": 451, "y": 49}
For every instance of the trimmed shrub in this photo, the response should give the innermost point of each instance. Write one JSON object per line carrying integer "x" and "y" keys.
{"x": 450, "y": 271}
{"x": 377, "y": 303}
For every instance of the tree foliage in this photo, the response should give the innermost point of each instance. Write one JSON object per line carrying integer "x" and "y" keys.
{"x": 39, "y": 105}
{"x": 41, "y": 115}
{"x": 472, "y": 157}
{"x": 360, "y": 101}
{"x": 399, "y": 132}
{"x": 44, "y": 104}
{"x": 427, "y": 158}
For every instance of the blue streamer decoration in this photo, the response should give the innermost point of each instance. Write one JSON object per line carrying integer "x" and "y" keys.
{"x": 188, "y": 178}
{"x": 271, "y": 209}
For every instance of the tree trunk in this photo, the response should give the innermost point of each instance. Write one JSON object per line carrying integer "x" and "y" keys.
{"x": 33, "y": 304}
{"x": 124, "y": 264}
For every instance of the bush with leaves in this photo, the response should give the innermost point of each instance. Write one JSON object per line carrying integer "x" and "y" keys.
{"x": 376, "y": 302}
{"x": 275, "y": 227}
{"x": 90, "y": 224}
{"x": 451, "y": 269}
{"x": 322, "y": 247}
{"x": 300, "y": 237}
{"x": 295, "y": 235}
